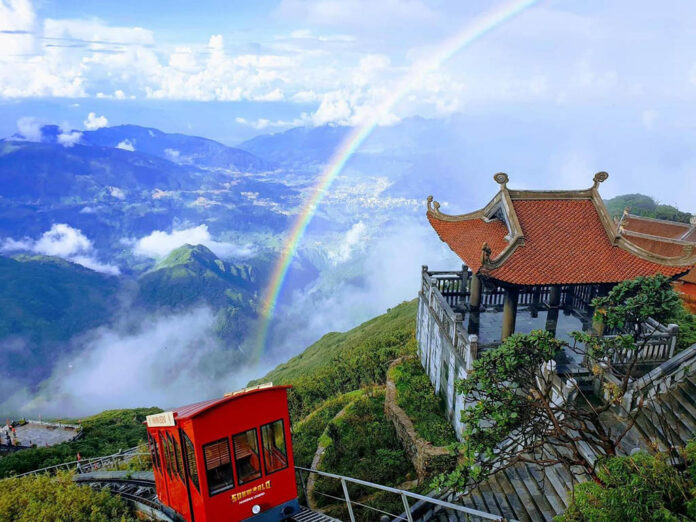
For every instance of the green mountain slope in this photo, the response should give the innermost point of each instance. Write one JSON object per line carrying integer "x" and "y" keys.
{"x": 642, "y": 205}
{"x": 341, "y": 362}
{"x": 46, "y": 301}
{"x": 193, "y": 275}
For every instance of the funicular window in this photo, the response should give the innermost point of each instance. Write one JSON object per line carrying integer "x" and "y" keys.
{"x": 154, "y": 453}
{"x": 246, "y": 456}
{"x": 218, "y": 466}
{"x": 190, "y": 459}
{"x": 172, "y": 452}
{"x": 179, "y": 461}
{"x": 275, "y": 456}
{"x": 167, "y": 454}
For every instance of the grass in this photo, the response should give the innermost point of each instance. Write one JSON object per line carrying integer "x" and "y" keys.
{"x": 306, "y": 434}
{"x": 415, "y": 395}
{"x": 342, "y": 362}
{"x": 363, "y": 444}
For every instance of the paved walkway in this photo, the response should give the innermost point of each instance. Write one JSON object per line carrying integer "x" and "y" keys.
{"x": 41, "y": 435}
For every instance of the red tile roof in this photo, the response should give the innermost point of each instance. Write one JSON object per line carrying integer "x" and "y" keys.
{"x": 466, "y": 238}
{"x": 656, "y": 246}
{"x": 566, "y": 243}
{"x": 654, "y": 227}
{"x": 557, "y": 238}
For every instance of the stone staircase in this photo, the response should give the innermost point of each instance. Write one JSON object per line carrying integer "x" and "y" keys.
{"x": 523, "y": 492}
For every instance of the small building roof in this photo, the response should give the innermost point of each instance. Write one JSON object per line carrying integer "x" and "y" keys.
{"x": 525, "y": 237}
{"x": 655, "y": 227}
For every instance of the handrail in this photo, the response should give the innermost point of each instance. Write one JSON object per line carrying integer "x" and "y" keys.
{"x": 403, "y": 493}
{"x": 131, "y": 452}
{"x": 659, "y": 380}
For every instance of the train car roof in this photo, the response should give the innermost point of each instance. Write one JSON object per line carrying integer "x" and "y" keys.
{"x": 192, "y": 410}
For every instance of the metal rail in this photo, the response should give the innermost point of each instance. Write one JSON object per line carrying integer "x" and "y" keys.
{"x": 405, "y": 495}
{"x": 87, "y": 465}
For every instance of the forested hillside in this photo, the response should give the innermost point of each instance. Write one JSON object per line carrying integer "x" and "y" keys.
{"x": 642, "y": 205}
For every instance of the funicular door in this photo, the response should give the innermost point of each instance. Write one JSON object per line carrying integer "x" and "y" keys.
{"x": 178, "y": 492}
{"x": 165, "y": 469}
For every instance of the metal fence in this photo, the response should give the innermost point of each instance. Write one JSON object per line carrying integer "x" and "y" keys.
{"x": 406, "y": 496}
{"x": 91, "y": 464}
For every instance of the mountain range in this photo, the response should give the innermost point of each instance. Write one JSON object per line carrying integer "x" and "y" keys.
{"x": 105, "y": 233}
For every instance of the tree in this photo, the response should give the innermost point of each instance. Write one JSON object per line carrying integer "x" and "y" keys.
{"x": 520, "y": 410}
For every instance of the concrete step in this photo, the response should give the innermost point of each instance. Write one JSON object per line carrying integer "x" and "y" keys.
{"x": 536, "y": 498}
{"x": 555, "y": 498}
{"x": 526, "y": 500}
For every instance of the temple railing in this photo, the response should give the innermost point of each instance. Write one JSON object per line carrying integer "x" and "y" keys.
{"x": 655, "y": 342}
{"x": 660, "y": 380}
{"x": 449, "y": 322}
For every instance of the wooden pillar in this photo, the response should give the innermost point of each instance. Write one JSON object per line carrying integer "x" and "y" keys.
{"x": 474, "y": 304}
{"x": 463, "y": 285}
{"x": 554, "y": 303}
{"x": 509, "y": 312}
{"x": 534, "y": 308}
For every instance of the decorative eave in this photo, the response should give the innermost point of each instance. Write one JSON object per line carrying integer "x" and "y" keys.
{"x": 501, "y": 201}
{"x": 687, "y": 258}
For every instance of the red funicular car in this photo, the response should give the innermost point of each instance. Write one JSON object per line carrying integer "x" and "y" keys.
{"x": 227, "y": 459}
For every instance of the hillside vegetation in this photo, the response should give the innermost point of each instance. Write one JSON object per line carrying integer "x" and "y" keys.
{"x": 342, "y": 362}
{"x": 31, "y": 499}
{"x": 642, "y": 205}
{"x": 102, "y": 434}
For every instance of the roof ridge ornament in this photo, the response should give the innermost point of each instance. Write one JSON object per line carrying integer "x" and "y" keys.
{"x": 600, "y": 177}
{"x": 433, "y": 206}
{"x": 501, "y": 179}
{"x": 485, "y": 254}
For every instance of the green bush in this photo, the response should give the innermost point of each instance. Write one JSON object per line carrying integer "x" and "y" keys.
{"x": 687, "y": 328}
{"x": 364, "y": 445}
{"x": 415, "y": 395}
{"x": 102, "y": 434}
{"x": 639, "y": 487}
{"x": 305, "y": 437}
{"x": 31, "y": 499}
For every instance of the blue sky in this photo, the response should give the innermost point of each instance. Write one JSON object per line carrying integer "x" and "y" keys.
{"x": 233, "y": 69}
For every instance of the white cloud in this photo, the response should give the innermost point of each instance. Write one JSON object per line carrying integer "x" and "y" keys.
{"x": 172, "y": 154}
{"x": 344, "y": 296}
{"x": 126, "y": 145}
{"x": 61, "y": 241}
{"x": 155, "y": 360}
{"x": 159, "y": 243}
{"x": 116, "y": 192}
{"x": 94, "y": 122}
{"x": 30, "y": 128}
{"x": 353, "y": 241}
{"x": 69, "y": 138}
{"x": 649, "y": 117}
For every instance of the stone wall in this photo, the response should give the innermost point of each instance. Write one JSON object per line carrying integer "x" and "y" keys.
{"x": 445, "y": 351}
{"x": 426, "y": 458}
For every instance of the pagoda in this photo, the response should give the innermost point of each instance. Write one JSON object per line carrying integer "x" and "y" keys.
{"x": 531, "y": 260}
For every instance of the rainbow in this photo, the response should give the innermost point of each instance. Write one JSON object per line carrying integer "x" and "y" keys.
{"x": 469, "y": 34}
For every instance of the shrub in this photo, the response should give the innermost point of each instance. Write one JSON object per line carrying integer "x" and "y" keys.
{"x": 639, "y": 487}
{"x": 30, "y": 499}
{"x": 415, "y": 395}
